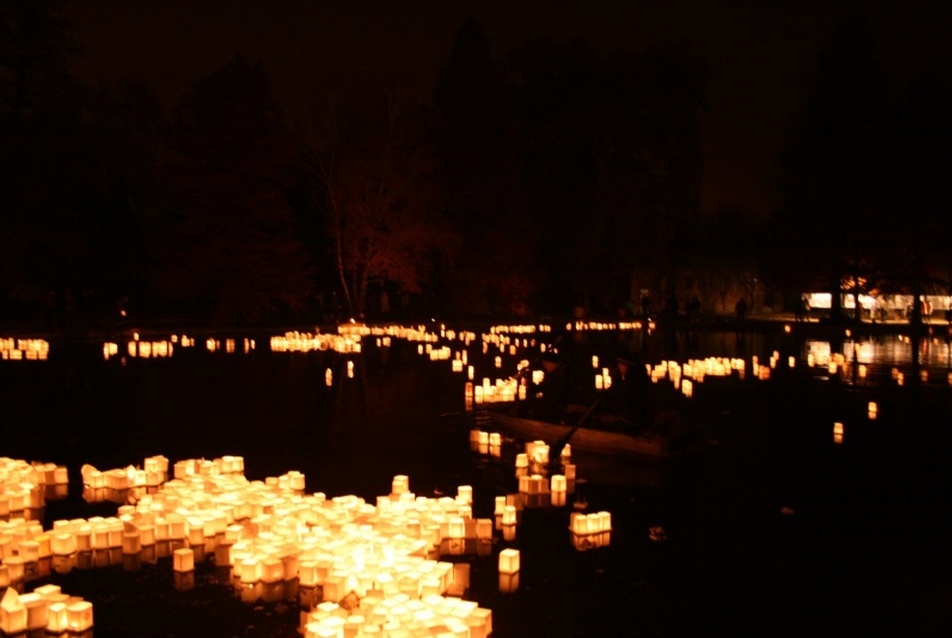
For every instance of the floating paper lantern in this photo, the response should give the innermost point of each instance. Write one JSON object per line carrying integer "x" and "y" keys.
{"x": 400, "y": 484}
{"x": 183, "y": 560}
{"x": 837, "y": 432}
{"x": 80, "y": 616}
{"x": 13, "y": 614}
{"x": 509, "y": 561}
{"x": 537, "y": 452}
{"x": 57, "y": 619}
{"x": 37, "y": 611}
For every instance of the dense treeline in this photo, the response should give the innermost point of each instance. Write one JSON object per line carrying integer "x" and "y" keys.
{"x": 556, "y": 176}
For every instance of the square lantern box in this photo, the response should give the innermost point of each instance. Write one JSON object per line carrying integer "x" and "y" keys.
{"x": 58, "y": 619}
{"x": 131, "y": 543}
{"x": 183, "y": 560}
{"x": 508, "y": 561}
{"x": 272, "y": 570}
{"x": 480, "y": 622}
{"x": 13, "y": 614}
{"x": 37, "y": 611}
{"x": 80, "y": 616}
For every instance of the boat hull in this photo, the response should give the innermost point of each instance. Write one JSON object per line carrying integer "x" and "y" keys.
{"x": 584, "y": 439}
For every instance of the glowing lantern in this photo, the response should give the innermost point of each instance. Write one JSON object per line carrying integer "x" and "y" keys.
{"x": 509, "y": 561}
{"x": 837, "y": 432}
{"x": 58, "y": 620}
{"x": 13, "y": 615}
{"x": 328, "y": 377}
{"x": 80, "y": 616}
{"x": 37, "y": 611}
{"x": 183, "y": 560}
{"x": 131, "y": 543}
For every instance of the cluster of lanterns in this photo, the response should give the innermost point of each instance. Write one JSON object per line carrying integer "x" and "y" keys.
{"x": 138, "y": 348}
{"x": 384, "y": 557}
{"x": 598, "y": 326}
{"x": 538, "y": 488}
{"x": 26, "y": 486}
{"x": 24, "y": 547}
{"x": 19, "y": 349}
{"x": 46, "y": 609}
{"x": 345, "y": 342}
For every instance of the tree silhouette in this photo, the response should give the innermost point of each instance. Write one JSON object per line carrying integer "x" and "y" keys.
{"x": 610, "y": 160}
{"x": 229, "y": 249}
{"x": 833, "y": 168}
{"x": 371, "y": 172}
{"x": 476, "y": 144}
{"x": 913, "y": 246}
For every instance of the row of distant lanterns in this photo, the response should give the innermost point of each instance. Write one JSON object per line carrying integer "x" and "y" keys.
{"x": 508, "y": 339}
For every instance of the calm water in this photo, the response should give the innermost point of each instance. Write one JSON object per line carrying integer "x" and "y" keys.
{"x": 771, "y": 527}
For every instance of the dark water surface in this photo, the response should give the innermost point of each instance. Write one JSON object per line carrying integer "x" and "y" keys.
{"x": 771, "y": 527}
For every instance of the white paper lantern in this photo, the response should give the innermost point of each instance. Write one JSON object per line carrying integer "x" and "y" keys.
{"x": 509, "y": 561}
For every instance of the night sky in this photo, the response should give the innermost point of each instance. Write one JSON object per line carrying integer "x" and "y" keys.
{"x": 762, "y": 55}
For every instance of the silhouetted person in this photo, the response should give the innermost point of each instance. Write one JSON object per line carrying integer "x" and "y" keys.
{"x": 625, "y": 403}
{"x": 740, "y": 309}
{"x": 548, "y": 400}
{"x": 645, "y": 305}
{"x": 693, "y": 308}
{"x": 672, "y": 306}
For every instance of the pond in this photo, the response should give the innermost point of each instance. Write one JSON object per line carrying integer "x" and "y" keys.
{"x": 772, "y": 523}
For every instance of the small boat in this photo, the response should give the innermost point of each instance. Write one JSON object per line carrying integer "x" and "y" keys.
{"x": 584, "y": 439}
